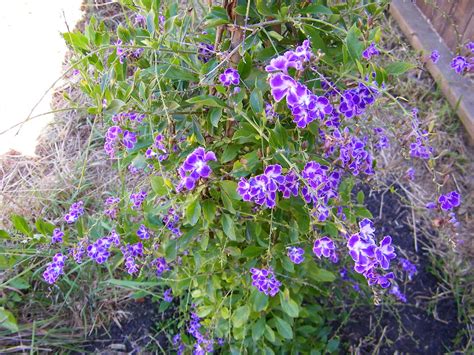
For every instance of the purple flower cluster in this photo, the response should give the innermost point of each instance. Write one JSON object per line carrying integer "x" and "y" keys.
{"x": 99, "y": 250}
{"x": 129, "y": 139}
{"x": 123, "y": 53}
{"x": 137, "y": 199}
{"x": 171, "y": 222}
{"x": 398, "y": 294}
{"x": 265, "y": 281}
{"x": 75, "y": 211}
{"x": 262, "y": 189}
{"x": 178, "y": 344}
{"x": 58, "y": 235}
{"x": 434, "y": 56}
{"x": 270, "y": 112}
{"x": 161, "y": 266}
{"x": 449, "y": 201}
{"x": 54, "y": 269}
{"x": 460, "y": 64}
{"x": 130, "y": 252}
{"x": 78, "y": 251}
{"x": 143, "y": 232}
{"x": 195, "y": 167}
{"x": 320, "y": 185}
{"x": 470, "y": 47}
{"x": 368, "y": 256}
{"x": 123, "y": 117}
{"x": 112, "y": 208}
{"x": 370, "y": 51}
{"x": 325, "y": 247}
{"x": 291, "y": 59}
{"x": 296, "y": 255}
{"x": 383, "y": 142}
{"x": 229, "y": 77}
{"x": 408, "y": 267}
{"x": 168, "y": 295}
{"x": 158, "y": 150}
{"x": 305, "y": 106}
{"x": 204, "y": 344}
{"x": 355, "y": 101}
{"x": 205, "y": 52}
{"x": 420, "y": 148}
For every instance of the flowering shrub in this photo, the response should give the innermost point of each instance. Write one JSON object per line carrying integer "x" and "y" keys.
{"x": 238, "y": 146}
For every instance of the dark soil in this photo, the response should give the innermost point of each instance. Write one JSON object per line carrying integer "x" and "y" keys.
{"x": 136, "y": 332}
{"x": 423, "y": 325}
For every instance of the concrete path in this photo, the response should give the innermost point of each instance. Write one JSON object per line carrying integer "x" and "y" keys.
{"x": 31, "y": 57}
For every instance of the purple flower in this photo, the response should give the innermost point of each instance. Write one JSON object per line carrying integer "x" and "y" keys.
{"x": 296, "y": 255}
{"x": 410, "y": 173}
{"x": 291, "y": 59}
{"x": 75, "y": 211}
{"x": 58, "y": 235}
{"x": 460, "y": 64}
{"x": 280, "y": 85}
{"x": 114, "y": 238}
{"x": 168, "y": 295}
{"x": 420, "y": 149}
{"x": 323, "y": 247}
{"x": 171, "y": 222}
{"x": 408, "y": 267}
{"x": 143, "y": 232}
{"x": 366, "y": 229}
{"x": 229, "y": 77}
{"x": 385, "y": 252}
{"x": 99, "y": 251}
{"x": 78, "y": 251}
{"x": 160, "y": 265}
{"x": 129, "y": 139}
{"x": 470, "y": 46}
{"x": 449, "y": 201}
{"x": 205, "y": 52}
{"x": 262, "y": 189}
{"x": 264, "y": 280}
{"x": 370, "y": 51}
{"x": 320, "y": 185}
{"x": 398, "y": 294}
{"x": 270, "y": 112}
{"x": 131, "y": 265}
{"x": 137, "y": 199}
{"x": 54, "y": 269}
{"x": 434, "y": 56}
{"x": 290, "y": 185}
{"x": 195, "y": 167}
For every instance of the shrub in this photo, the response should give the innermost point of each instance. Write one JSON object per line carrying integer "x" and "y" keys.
{"x": 237, "y": 142}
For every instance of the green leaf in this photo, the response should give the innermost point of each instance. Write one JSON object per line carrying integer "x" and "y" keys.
{"x": 21, "y": 225}
{"x": 354, "y": 46}
{"x": 115, "y": 106}
{"x": 245, "y": 66}
{"x": 215, "y": 115}
{"x": 77, "y": 40}
{"x": 158, "y": 185}
{"x": 171, "y": 250}
{"x": 256, "y": 101}
{"x": 193, "y": 212}
{"x": 204, "y": 311}
{"x": 284, "y": 328}
{"x": 289, "y": 306}
{"x": 398, "y": 68}
{"x": 360, "y": 197}
{"x": 269, "y": 334}
{"x": 230, "y": 152}
{"x": 19, "y": 283}
{"x": 259, "y": 301}
{"x": 321, "y": 275}
{"x": 209, "y": 210}
{"x": 207, "y": 100}
{"x": 8, "y": 320}
{"x": 4, "y": 234}
{"x": 258, "y": 328}
{"x": 240, "y": 316}
{"x": 228, "y": 226}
